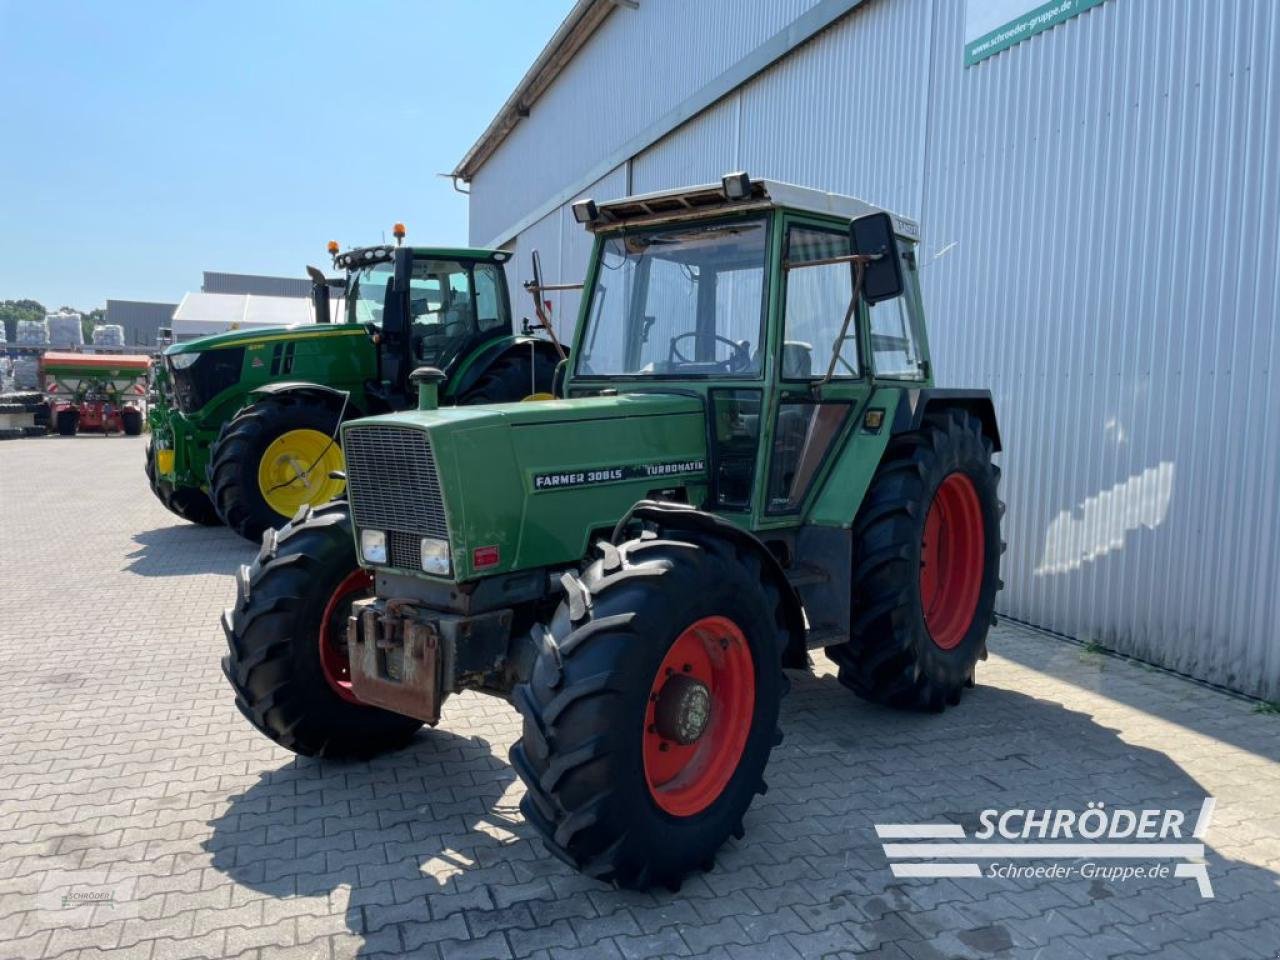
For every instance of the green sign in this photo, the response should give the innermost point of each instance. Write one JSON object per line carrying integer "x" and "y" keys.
{"x": 995, "y": 25}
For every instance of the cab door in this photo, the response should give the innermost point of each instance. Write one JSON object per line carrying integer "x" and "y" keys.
{"x": 821, "y": 386}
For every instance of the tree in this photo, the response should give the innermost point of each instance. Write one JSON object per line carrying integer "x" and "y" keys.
{"x": 11, "y": 311}
{"x": 90, "y": 320}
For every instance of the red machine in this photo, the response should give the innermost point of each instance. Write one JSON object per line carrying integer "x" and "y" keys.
{"x": 100, "y": 392}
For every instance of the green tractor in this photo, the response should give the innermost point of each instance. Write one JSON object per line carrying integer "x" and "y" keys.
{"x": 748, "y": 460}
{"x": 244, "y": 430}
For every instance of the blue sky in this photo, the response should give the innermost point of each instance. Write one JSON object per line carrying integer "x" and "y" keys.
{"x": 144, "y": 142}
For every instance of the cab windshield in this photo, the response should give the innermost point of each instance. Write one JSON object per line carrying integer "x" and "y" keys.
{"x": 367, "y": 291}
{"x": 450, "y": 302}
{"x": 685, "y": 301}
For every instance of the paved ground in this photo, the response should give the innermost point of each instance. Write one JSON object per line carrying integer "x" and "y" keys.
{"x": 141, "y": 817}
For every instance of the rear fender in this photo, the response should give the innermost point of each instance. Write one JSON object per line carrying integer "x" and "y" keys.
{"x": 474, "y": 365}
{"x": 678, "y": 516}
{"x": 913, "y": 405}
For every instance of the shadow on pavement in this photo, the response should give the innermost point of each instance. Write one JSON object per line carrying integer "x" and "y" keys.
{"x": 427, "y": 838}
{"x": 1175, "y": 700}
{"x": 187, "y": 549}
{"x": 394, "y": 830}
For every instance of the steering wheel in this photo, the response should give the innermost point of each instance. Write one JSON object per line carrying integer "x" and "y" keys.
{"x": 740, "y": 360}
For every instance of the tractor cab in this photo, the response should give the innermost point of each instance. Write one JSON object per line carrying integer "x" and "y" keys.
{"x": 429, "y": 307}
{"x": 783, "y": 308}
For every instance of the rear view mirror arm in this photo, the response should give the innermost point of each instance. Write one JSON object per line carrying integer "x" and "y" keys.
{"x": 859, "y": 262}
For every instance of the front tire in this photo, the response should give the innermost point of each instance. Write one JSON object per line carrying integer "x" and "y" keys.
{"x": 926, "y": 567}
{"x": 286, "y": 639}
{"x": 131, "y": 422}
{"x": 639, "y": 630}
{"x": 272, "y": 458}
{"x": 189, "y": 503}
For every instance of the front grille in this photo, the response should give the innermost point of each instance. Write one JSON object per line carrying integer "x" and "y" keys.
{"x": 212, "y": 372}
{"x": 393, "y": 486}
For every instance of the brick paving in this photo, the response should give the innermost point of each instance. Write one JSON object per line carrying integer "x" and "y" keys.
{"x": 141, "y": 817}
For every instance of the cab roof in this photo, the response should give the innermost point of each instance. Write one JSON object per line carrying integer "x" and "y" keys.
{"x": 356, "y": 257}
{"x": 710, "y": 199}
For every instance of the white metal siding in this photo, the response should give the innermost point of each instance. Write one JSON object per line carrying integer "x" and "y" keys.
{"x": 563, "y": 248}
{"x": 1113, "y": 189}
{"x": 1099, "y": 209}
{"x": 639, "y": 65}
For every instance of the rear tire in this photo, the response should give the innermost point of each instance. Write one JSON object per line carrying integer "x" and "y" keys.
{"x": 274, "y": 635}
{"x": 596, "y": 791}
{"x": 189, "y": 503}
{"x": 512, "y": 377}
{"x": 237, "y": 455}
{"x": 131, "y": 422}
{"x": 917, "y": 637}
{"x": 68, "y": 421}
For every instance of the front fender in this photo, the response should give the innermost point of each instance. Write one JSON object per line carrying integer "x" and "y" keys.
{"x": 319, "y": 390}
{"x": 679, "y": 516}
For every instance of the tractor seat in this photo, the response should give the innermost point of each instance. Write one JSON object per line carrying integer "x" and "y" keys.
{"x": 797, "y": 360}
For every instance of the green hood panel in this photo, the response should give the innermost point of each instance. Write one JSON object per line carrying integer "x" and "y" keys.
{"x": 530, "y": 482}
{"x": 244, "y": 338}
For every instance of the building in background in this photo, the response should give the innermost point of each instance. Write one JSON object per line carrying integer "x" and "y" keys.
{"x": 202, "y": 314}
{"x": 1098, "y": 187}
{"x": 142, "y": 320}
{"x": 255, "y": 285}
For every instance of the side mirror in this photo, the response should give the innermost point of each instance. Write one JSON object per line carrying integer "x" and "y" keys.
{"x": 873, "y": 235}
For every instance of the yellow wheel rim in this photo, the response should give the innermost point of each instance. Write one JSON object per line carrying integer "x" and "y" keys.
{"x": 295, "y": 470}
{"x": 538, "y": 396}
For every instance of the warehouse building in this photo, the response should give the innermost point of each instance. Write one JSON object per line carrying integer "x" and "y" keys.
{"x": 255, "y": 285}
{"x": 142, "y": 320}
{"x": 1098, "y": 188}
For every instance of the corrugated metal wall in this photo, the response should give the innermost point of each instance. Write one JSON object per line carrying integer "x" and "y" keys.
{"x": 255, "y": 284}
{"x": 141, "y": 319}
{"x": 638, "y": 66}
{"x": 1099, "y": 207}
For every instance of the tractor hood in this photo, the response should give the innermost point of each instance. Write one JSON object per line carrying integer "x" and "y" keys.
{"x": 520, "y": 485}
{"x": 244, "y": 338}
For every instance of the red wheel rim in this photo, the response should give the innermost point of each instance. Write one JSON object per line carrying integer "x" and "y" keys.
{"x": 333, "y": 632}
{"x": 685, "y": 779}
{"x": 951, "y": 560}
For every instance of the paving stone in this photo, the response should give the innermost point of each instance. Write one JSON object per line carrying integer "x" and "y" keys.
{"x": 128, "y": 767}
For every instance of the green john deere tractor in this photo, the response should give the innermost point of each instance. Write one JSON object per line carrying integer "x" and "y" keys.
{"x": 244, "y": 430}
{"x": 749, "y": 461}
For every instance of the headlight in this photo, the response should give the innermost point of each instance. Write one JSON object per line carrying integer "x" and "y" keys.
{"x": 181, "y": 361}
{"x": 435, "y": 556}
{"x": 373, "y": 546}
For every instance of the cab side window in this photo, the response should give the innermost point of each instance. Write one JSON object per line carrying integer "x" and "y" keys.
{"x": 489, "y": 306}
{"x": 895, "y": 339}
{"x": 817, "y": 300}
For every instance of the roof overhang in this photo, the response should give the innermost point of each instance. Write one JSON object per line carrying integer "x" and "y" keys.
{"x": 583, "y": 20}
